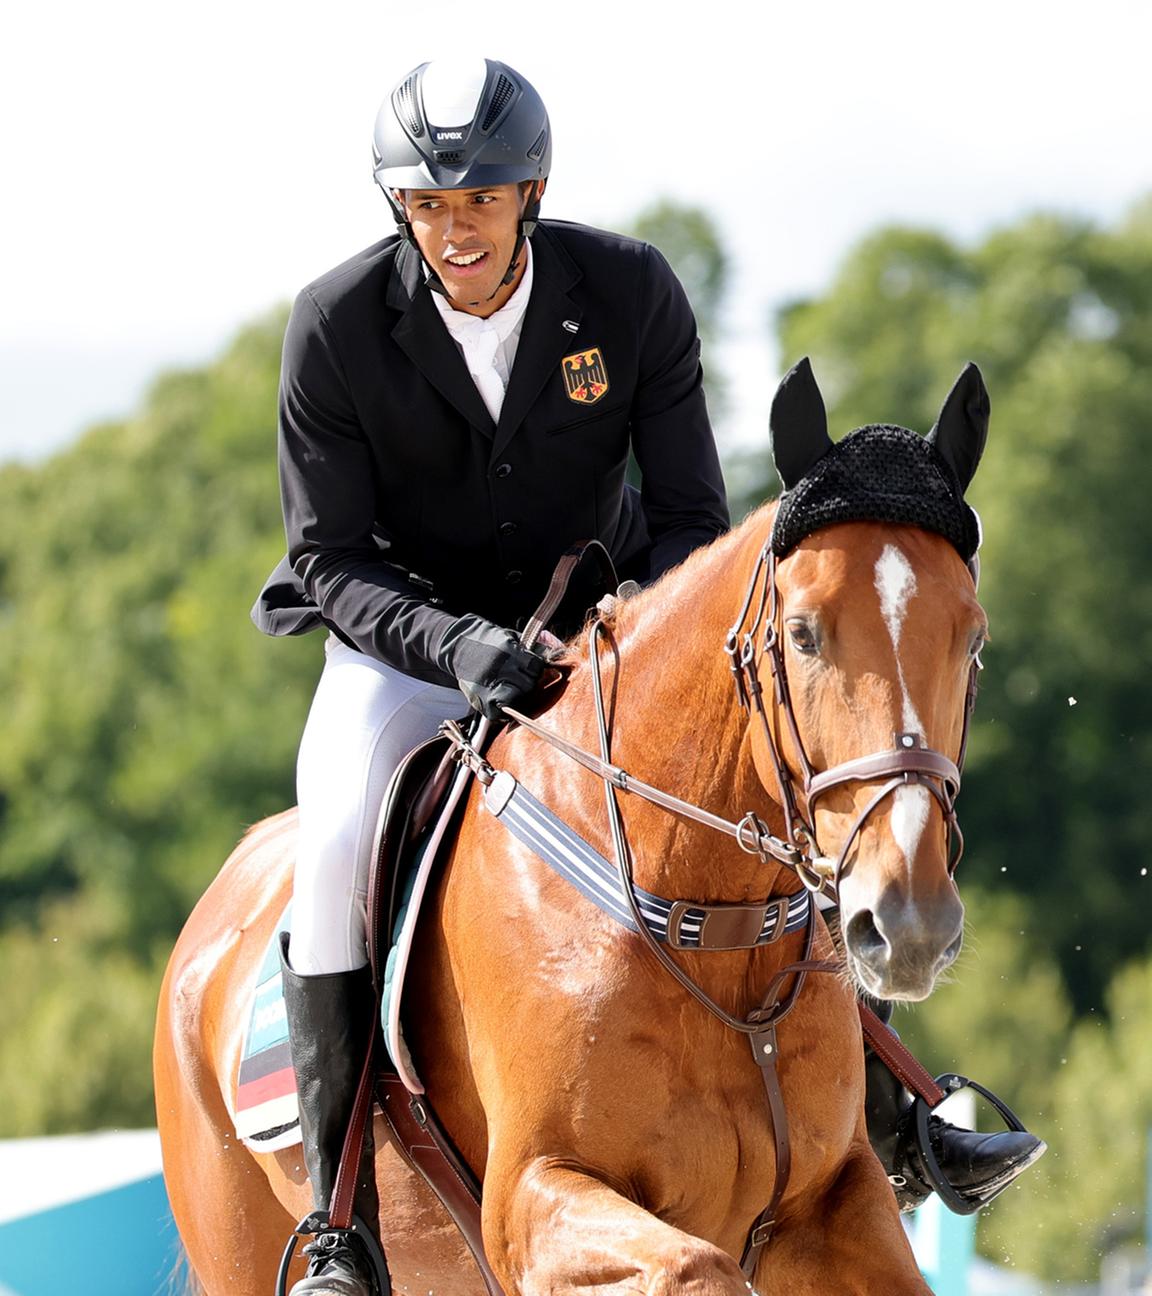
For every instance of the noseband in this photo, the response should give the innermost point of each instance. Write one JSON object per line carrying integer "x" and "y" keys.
{"x": 909, "y": 762}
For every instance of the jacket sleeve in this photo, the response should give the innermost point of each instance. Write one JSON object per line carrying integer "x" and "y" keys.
{"x": 681, "y": 489}
{"x": 327, "y": 489}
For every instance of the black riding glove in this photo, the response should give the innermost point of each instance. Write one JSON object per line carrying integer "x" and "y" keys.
{"x": 489, "y": 664}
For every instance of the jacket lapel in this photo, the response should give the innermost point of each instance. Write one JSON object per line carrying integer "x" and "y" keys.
{"x": 422, "y": 337}
{"x": 544, "y": 341}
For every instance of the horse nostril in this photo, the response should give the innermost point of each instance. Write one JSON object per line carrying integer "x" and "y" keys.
{"x": 864, "y": 939}
{"x": 952, "y": 952}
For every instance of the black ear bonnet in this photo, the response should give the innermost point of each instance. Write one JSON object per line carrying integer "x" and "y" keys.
{"x": 879, "y": 473}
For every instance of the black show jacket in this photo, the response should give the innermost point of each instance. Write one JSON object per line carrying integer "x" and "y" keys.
{"x": 404, "y": 504}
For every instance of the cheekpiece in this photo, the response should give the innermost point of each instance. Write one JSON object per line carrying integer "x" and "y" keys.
{"x": 879, "y": 473}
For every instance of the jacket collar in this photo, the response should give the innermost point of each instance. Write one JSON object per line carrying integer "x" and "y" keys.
{"x": 545, "y": 337}
{"x": 421, "y": 335}
{"x": 547, "y": 333}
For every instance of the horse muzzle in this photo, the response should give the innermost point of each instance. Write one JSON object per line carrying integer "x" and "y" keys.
{"x": 897, "y": 949}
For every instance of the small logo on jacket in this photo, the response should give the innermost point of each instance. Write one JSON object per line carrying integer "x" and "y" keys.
{"x": 585, "y": 377}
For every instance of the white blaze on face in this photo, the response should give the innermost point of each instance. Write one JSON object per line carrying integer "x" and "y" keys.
{"x": 896, "y": 583}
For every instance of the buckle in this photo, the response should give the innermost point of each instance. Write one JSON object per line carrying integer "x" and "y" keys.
{"x": 761, "y": 1233}
{"x": 726, "y": 926}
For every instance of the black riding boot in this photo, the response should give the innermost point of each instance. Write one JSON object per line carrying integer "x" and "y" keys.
{"x": 978, "y": 1166}
{"x": 329, "y": 1026}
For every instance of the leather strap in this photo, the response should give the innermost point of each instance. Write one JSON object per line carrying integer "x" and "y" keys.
{"x": 558, "y": 586}
{"x": 750, "y": 832}
{"x": 426, "y": 1147}
{"x": 343, "y": 1201}
{"x": 898, "y": 1059}
{"x": 908, "y": 757}
{"x": 760, "y": 1234}
{"x": 762, "y": 1039}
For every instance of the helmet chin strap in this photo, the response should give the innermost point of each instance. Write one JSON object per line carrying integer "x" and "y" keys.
{"x": 529, "y": 217}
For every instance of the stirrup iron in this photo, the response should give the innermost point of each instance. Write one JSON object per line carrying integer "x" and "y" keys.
{"x": 315, "y": 1223}
{"x": 922, "y": 1113}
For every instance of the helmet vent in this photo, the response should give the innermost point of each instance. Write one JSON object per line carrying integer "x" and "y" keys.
{"x": 406, "y": 108}
{"x": 501, "y": 97}
{"x": 450, "y": 157}
{"x": 536, "y": 152}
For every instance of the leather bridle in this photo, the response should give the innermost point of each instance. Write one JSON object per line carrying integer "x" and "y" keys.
{"x": 909, "y": 762}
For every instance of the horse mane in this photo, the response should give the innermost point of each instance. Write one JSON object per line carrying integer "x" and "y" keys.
{"x": 682, "y": 585}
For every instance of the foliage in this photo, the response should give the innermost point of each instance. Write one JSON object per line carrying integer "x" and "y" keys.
{"x": 690, "y": 240}
{"x": 75, "y": 1052}
{"x": 148, "y": 722}
{"x": 688, "y": 237}
{"x": 1087, "y": 1196}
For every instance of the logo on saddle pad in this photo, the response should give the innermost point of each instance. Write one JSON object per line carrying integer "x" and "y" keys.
{"x": 585, "y": 376}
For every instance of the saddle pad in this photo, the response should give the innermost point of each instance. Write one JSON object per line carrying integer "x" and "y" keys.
{"x": 265, "y": 1102}
{"x": 266, "y": 1110}
{"x": 267, "y": 1114}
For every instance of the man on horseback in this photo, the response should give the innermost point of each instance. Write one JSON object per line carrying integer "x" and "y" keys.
{"x": 457, "y": 406}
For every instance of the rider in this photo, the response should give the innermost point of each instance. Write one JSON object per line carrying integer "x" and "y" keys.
{"x": 457, "y": 406}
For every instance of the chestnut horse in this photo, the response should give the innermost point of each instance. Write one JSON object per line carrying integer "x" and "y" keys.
{"x": 620, "y": 1130}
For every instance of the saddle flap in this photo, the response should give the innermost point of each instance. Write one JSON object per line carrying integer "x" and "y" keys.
{"x": 417, "y": 790}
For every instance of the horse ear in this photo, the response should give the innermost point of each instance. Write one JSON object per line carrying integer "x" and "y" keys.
{"x": 962, "y": 428}
{"x": 799, "y": 424}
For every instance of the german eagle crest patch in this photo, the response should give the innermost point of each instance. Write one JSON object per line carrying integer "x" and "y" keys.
{"x": 585, "y": 377}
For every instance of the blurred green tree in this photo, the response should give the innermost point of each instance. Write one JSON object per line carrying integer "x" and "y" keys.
{"x": 1087, "y": 1196}
{"x": 690, "y": 240}
{"x": 148, "y": 723}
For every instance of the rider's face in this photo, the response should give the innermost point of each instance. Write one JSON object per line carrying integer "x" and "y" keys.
{"x": 467, "y": 236}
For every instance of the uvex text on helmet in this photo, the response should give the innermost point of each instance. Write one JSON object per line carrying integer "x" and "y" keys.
{"x": 461, "y": 124}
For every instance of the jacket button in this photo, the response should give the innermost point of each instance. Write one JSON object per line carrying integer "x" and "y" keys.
{"x": 504, "y": 470}
{"x": 508, "y": 528}
{"x": 514, "y": 577}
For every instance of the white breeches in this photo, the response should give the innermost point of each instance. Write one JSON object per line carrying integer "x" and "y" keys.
{"x": 364, "y": 720}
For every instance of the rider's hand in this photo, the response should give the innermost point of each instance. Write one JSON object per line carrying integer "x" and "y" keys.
{"x": 489, "y": 664}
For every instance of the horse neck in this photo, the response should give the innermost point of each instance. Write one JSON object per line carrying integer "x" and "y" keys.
{"x": 679, "y": 726}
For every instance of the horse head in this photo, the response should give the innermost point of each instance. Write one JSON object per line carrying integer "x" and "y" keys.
{"x": 874, "y": 631}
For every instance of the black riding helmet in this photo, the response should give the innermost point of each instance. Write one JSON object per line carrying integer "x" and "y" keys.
{"x": 462, "y": 124}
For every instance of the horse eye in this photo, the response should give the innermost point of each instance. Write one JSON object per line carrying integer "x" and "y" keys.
{"x": 979, "y": 639}
{"x": 803, "y": 638}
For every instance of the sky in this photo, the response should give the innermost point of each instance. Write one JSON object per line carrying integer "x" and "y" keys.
{"x": 173, "y": 171}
